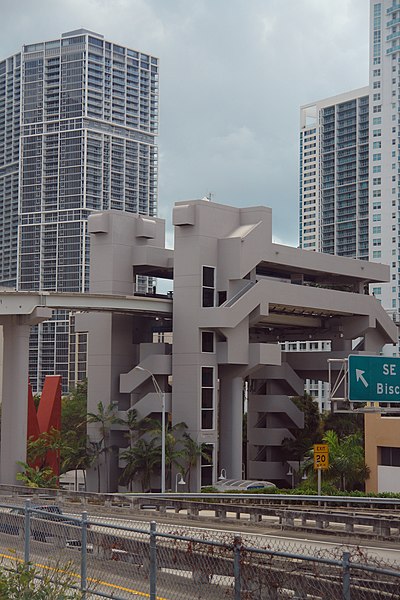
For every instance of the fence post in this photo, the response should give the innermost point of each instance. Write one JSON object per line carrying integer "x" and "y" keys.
{"x": 237, "y": 544}
{"x": 346, "y": 575}
{"x": 153, "y": 560}
{"x": 84, "y": 556}
{"x": 27, "y": 534}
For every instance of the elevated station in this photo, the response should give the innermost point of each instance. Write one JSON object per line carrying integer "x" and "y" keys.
{"x": 236, "y": 296}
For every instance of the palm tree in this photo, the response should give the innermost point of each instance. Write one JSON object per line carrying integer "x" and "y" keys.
{"x": 135, "y": 426}
{"x": 94, "y": 450}
{"x": 104, "y": 418}
{"x": 141, "y": 459}
{"x": 347, "y": 459}
{"x": 173, "y": 454}
{"x": 193, "y": 452}
{"x": 347, "y": 466}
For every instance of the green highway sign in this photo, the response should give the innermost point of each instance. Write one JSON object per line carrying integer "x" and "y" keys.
{"x": 374, "y": 378}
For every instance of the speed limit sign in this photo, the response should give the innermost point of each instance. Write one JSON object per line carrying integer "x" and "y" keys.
{"x": 321, "y": 457}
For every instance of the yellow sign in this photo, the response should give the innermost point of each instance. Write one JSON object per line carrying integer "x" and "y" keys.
{"x": 321, "y": 456}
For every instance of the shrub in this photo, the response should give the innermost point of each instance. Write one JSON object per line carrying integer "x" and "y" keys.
{"x": 25, "y": 582}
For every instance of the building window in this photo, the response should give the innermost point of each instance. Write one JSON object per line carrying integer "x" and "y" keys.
{"x": 376, "y": 229}
{"x": 377, "y": 291}
{"x": 207, "y": 397}
{"x": 376, "y": 254}
{"x": 207, "y": 341}
{"x": 389, "y": 457}
{"x": 208, "y": 287}
{"x": 207, "y": 464}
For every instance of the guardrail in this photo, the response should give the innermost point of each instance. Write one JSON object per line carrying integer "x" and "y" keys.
{"x": 318, "y": 514}
{"x": 134, "y": 498}
{"x": 112, "y": 559}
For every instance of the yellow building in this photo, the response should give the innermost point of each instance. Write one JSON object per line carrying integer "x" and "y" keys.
{"x": 382, "y": 452}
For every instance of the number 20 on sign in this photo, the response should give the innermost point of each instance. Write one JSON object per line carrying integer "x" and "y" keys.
{"x": 321, "y": 457}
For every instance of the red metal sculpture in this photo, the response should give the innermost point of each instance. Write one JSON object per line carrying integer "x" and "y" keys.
{"x": 47, "y": 416}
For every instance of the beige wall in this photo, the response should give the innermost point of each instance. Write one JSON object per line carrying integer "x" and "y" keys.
{"x": 381, "y": 431}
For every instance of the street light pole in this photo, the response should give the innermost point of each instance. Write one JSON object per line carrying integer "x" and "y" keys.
{"x": 162, "y": 398}
{"x": 162, "y": 441}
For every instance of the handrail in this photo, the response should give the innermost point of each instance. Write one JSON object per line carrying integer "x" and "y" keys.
{"x": 238, "y": 294}
{"x": 218, "y": 498}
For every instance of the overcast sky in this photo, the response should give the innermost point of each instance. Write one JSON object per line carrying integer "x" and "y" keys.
{"x": 233, "y": 75}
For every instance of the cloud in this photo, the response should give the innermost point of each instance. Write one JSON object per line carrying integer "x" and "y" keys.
{"x": 233, "y": 76}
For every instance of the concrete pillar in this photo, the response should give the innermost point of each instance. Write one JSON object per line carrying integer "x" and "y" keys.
{"x": 14, "y": 417}
{"x": 231, "y": 423}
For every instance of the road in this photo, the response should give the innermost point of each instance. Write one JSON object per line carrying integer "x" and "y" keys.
{"x": 118, "y": 575}
{"x": 263, "y": 536}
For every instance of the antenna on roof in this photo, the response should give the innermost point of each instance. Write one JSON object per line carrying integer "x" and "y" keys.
{"x": 208, "y": 197}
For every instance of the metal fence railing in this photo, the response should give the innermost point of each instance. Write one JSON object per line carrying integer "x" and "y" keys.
{"x": 102, "y": 557}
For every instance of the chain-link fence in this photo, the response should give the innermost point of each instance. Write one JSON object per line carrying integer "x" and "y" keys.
{"x": 124, "y": 559}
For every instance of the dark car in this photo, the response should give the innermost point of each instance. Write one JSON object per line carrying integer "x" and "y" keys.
{"x": 39, "y": 531}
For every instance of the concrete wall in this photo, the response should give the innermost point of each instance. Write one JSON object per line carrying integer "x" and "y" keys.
{"x": 381, "y": 431}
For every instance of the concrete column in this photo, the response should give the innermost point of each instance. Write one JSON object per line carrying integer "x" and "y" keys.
{"x": 14, "y": 417}
{"x": 231, "y": 423}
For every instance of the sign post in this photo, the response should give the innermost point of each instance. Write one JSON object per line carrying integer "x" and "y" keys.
{"x": 374, "y": 378}
{"x": 321, "y": 462}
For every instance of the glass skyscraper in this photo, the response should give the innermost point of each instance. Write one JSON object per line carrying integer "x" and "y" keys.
{"x": 334, "y": 175}
{"x": 78, "y": 126}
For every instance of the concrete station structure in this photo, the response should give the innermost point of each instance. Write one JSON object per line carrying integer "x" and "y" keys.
{"x": 236, "y": 297}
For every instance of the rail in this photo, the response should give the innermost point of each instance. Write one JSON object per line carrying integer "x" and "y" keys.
{"x": 121, "y": 559}
{"x": 364, "y": 517}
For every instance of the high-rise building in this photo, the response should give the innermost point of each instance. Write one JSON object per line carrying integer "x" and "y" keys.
{"x": 78, "y": 122}
{"x": 334, "y": 175}
{"x": 384, "y": 145}
{"x": 333, "y": 214}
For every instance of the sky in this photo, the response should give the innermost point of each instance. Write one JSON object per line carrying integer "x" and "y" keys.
{"x": 233, "y": 75}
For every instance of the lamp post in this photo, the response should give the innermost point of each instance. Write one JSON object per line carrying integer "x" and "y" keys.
{"x": 162, "y": 398}
{"x": 222, "y": 476}
{"x": 179, "y": 481}
{"x": 290, "y": 473}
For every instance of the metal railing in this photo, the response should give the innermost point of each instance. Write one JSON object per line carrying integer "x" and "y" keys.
{"x": 122, "y": 559}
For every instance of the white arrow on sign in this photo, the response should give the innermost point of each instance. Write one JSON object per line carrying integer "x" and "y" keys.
{"x": 360, "y": 376}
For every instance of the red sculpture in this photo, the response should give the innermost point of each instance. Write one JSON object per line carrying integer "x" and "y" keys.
{"x": 47, "y": 416}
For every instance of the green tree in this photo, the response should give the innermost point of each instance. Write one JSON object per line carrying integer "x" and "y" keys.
{"x": 135, "y": 428}
{"x": 94, "y": 451}
{"x": 73, "y": 427}
{"x": 37, "y": 473}
{"x": 105, "y": 418}
{"x": 344, "y": 424}
{"x": 174, "y": 454}
{"x": 134, "y": 425}
{"x": 192, "y": 453}
{"x": 36, "y": 477}
{"x": 347, "y": 469}
{"x": 141, "y": 460}
{"x": 295, "y": 449}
